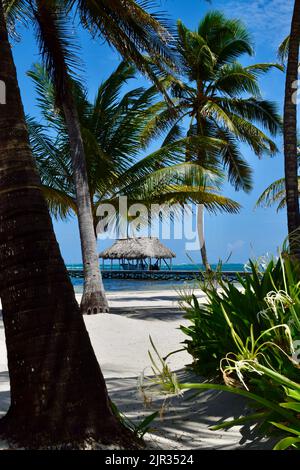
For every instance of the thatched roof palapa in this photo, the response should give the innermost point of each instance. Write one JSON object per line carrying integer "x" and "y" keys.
{"x": 137, "y": 248}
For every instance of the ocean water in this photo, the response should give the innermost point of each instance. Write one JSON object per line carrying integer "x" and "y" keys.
{"x": 113, "y": 285}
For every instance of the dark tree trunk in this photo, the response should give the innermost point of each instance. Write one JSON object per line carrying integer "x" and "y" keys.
{"x": 290, "y": 133}
{"x": 58, "y": 394}
{"x": 93, "y": 299}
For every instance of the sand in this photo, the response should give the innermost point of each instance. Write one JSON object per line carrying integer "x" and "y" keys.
{"x": 121, "y": 343}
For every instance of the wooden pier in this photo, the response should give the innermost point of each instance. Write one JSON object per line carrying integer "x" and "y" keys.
{"x": 155, "y": 275}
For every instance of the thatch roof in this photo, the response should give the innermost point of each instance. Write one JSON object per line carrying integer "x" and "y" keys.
{"x": 137, "y": 248}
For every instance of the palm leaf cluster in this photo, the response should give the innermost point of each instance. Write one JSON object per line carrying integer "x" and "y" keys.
{"x": 137, "y": 29}
{"x": 221, "y": 97}
{"x": 116, "y": 130}
{"x": 275, "y": 193}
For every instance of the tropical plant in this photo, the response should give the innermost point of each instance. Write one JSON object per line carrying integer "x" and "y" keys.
{"x": 290, "y": 129}
{"x": 262, "y": 303}
{"x": 275, "y": 193}
{"x": 276, "y": 403}
{"x": 138, "y": 429}
{"x": 58, "y": 393}
{"x": 115, "y": 130}
{"x": 221, "y": 97}
{"x": 133, "y": 32}
{"x": 282, "y": 414}
{"x": 250, "y": 334}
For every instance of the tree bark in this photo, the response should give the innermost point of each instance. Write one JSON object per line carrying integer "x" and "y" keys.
{"x": 200, "y": 229}
{"x": 290, "y": 133}
{"x": 58, "y": 393}
{"x": 93, "y": 298}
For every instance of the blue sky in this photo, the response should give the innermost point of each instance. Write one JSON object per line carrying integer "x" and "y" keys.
{"x": 250, "y": 233}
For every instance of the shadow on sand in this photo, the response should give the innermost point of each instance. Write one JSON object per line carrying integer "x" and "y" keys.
{"x": 186, "y": 419}
{"x": 148, "y": 313}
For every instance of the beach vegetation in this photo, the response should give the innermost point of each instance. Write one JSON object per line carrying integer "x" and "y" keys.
{"x": 273, "y": 406}
{"x": 58, "y": 393}
{"x": 246, "y": 335}
{"x": 117, "y": 128}
{"x": 261, "y": 301}
{"x": 291, "y": 52}
{"x": 275, "y": 193}
{"x": 221, "y": 98}
{"x": 135, "y": 37}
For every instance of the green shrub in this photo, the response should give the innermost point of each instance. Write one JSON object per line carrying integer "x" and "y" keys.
{"x": 258, "y": 303}
{"x": 274, "y": 397}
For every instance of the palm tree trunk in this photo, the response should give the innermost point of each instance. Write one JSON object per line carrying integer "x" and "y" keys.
{"x": 200, "y": 229}
{"x": 93, "y": 298}
{"x": 58, "y": 393}
{"x": 290, "y": 132}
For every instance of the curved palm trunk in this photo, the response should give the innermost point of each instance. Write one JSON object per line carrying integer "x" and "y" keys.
{"x": 58, "y": 393}
{"x": 93, "y": 298}
{"x": 201, "y": 237}
{"x": 290, "y": 132}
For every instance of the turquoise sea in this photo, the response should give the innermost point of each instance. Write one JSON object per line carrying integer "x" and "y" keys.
{"x": 112, "y": 285}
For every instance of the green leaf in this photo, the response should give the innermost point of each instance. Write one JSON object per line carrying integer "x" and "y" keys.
{"x": 291, "y": 406}
{"x": 286, "y": 443}
{"x": 294, "y": 430}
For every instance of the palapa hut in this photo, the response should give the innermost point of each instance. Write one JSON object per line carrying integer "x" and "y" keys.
{"x": 139, "y": 253}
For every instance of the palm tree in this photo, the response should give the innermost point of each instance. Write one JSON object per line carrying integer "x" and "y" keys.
{"x": 290, "y": 129}
{"x": 116, "y": 129}
{"x": 130, "y": 29}
{"x": 275, "y": 193}
{"x": 221, "y": 98}
{"x": 58, "y": 394}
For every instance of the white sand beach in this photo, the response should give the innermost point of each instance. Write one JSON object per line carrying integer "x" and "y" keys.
{"x": 121, "y": 343}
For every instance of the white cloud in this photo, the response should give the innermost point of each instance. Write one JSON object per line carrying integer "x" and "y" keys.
{"x": 269, "y": 20}
{"x": 235, "y": 246}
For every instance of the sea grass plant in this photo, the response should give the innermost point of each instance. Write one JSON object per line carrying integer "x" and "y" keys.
{"x": 257, "y": 306}
{"x": 247, "y": 335}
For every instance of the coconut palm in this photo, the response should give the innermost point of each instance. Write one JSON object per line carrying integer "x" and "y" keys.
{"x": 58, "y": 394}
{"x": 275, "y": 194}
{"x": 116, "y": 127}
{"x": 290, "y": 129}
{"x": 133, "y": 31}
{"x": 221, "y": 97}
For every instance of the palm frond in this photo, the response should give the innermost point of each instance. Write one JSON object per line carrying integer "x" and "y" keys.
{"x": 284, "y": 50}
{"x": 260, "y": 69}
{"x": 262, "y": 112}
{"x": 57, "y": 44}
{"x": 235, "y": 80}
{"x": 274, "y": 194}
{"x": 60, "y": 204}
{"x": 16, "y": 11}
{"x": 132, "y": 31}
